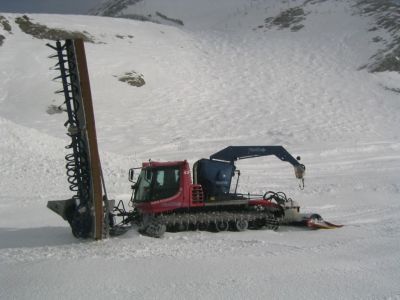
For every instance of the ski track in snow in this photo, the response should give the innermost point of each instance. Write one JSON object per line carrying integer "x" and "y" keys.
{"x": 208, "y": 88}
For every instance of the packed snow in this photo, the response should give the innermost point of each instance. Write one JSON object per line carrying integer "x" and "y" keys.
{"x": 217, "y": 81}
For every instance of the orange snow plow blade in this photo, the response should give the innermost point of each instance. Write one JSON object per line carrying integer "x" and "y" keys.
{"x": 321, "y": 224}
{"x": 315, "y": 221}
{"x": 310, "y": 220}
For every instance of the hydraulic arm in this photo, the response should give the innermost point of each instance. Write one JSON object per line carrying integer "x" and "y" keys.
{"x": 233, "y": 153}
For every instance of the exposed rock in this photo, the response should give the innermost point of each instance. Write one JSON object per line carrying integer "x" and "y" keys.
{"x": 132, "y": 78}
{"x": 5, "y": 24}
{"x": 290, "y": 18}
{"x": 176, "y": 21}
{"x": 40, "y": 31}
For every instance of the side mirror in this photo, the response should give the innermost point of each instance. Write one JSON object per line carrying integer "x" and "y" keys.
{"x": 131, "y": 175}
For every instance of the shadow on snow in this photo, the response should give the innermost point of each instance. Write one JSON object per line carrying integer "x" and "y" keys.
{"x": 36, "y": 237}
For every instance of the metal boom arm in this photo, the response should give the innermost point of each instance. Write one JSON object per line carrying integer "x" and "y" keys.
{"x": 233, "y": 153}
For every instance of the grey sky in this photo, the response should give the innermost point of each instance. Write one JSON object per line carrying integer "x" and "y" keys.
{"x": 56, "y": 6}
{"x": 48, "y": 6}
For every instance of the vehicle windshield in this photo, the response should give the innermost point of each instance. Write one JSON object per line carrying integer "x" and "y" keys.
{"x": 157, "y": 183}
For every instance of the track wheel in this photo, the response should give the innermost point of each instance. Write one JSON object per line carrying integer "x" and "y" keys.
{"x": 257, "y": 224}
{"x": 202, "y": 226}
{"x": 221, "y": 226}
{"x": 272, "y": 224}
{"x": 183, "y": 226}
{"x": 155, "y": 229}
{"x": 241, "y": 225}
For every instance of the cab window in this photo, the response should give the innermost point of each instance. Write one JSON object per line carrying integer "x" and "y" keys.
{"x": 157, "y": 184}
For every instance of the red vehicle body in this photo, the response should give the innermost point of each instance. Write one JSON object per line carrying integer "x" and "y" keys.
{"x": 166, "y": 198}
{"x": 188, "y": 195}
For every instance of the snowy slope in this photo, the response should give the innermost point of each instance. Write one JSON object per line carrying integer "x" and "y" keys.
{"x": 214, "y": 82}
